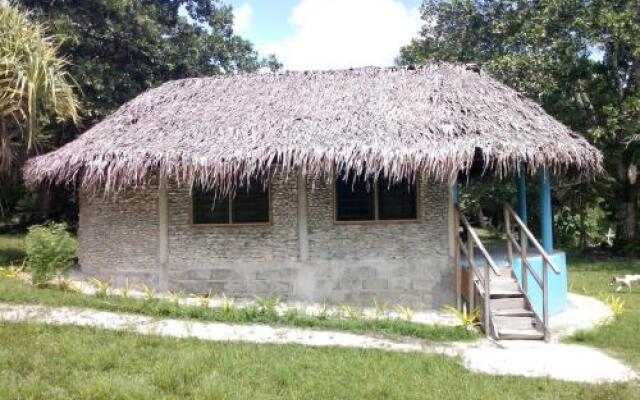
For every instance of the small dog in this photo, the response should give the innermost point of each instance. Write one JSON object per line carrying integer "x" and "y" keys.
{"x": 626, "y": 280}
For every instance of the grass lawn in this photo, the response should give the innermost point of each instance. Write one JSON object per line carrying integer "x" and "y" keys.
{"x": 46, "y": 362}
{"x": 591, "y": 277}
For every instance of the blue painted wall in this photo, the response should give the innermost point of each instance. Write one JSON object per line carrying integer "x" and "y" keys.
{"x": 557, "y": 283}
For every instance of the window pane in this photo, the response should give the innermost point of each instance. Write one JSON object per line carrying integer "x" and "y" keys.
{"x": 354, "y": 201}
{"x": 206, "y": 212}
{"x": 251, "y": 206}
{"x": 397, "y": 201}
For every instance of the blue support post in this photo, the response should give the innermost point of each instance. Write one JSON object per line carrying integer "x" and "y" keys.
{"x": 522, "y": 194}
{"x": 546, "y": 218}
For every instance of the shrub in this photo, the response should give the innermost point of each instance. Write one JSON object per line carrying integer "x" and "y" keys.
{"x": 50, "y": 251}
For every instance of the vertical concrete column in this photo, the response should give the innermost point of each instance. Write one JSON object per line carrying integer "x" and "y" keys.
{"x": 163, "y": 233}
{"x": 546, "y": 215}
{"x": 303, "y": 231}
{"x": 521, "y": 184}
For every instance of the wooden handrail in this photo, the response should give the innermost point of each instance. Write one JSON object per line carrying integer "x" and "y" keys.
{"x": 472, "y": 263}
{"x": 526, "y": 263}
{"x": 476, "y": 240}
{"x": 473, "y": 239}
{"x": 533, "y": 239}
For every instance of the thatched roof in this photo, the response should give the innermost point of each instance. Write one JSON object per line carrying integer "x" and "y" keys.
{"x": 216, "y": 131}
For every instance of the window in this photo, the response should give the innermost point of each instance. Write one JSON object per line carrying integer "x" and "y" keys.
{"x": 248, "y": 206}
{"x": 360, "y": 199}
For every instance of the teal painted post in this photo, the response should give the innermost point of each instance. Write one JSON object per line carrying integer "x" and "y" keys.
{"x": 546, "y": 220}
{"x": 522, "y": 194}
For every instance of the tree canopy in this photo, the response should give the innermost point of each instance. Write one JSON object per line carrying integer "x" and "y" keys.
{"x": 579, "y": 58}
{"x": 117, "y": 49}
{"x": 120, "y": 48}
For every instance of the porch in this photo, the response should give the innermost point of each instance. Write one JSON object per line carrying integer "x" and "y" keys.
{"x": 518, "y": 281}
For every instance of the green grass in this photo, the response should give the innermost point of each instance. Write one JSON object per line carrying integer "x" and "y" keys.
{"x": 47, "y": 362}
{"x": 55, "y": 362}
{"x": 11, "y": 249}
{"x": 591, "y": 277}
{"x": 12, "y": 291}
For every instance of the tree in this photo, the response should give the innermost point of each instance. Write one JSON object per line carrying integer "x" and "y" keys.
{"x": 120, "y": 48}
{"x": 579, "y": 58}
{"x": 36, "y": 90}
{"x": 117, "y": 49}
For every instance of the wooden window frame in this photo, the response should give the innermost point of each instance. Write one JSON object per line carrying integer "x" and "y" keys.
{"x": 376, "y": 210}
{"x": 232, "y": 224}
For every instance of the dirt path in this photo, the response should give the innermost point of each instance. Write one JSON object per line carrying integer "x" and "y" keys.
{"x": 531, "y": 359}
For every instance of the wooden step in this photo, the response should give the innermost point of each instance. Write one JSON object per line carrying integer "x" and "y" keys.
{"x": 513, "y": 322}
{"x": 508, "y": 303}
{"x": 511, "y": 327}
{"x": 513, "y": 312}
{"x": 501, "y": 288}
{"x": 520, "y": 334}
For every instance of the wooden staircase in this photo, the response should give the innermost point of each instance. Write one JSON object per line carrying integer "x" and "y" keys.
{"x": 511, "y": 314}
{"x": 507, "y": 313}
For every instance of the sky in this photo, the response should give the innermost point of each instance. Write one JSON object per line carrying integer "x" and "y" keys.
{"x": 328, "y": 34}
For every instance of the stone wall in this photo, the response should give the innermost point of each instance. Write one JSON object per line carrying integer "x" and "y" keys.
{"x": 404, "y": 262}
{"x": 118, "y": 237}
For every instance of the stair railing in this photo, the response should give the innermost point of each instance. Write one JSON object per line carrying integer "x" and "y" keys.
{"x": 467, "y": 252}
{"x": 522, "y": 246}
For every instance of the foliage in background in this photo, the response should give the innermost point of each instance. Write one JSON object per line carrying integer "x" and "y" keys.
{"x": 50, "y": 251}
{"x": 36, "y": 90}
{"x": 119, "y": 49}
{"x": 579, "y": 58}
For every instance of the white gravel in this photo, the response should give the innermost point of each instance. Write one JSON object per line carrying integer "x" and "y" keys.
{"x": 582, "y": 313}
{"x": 531, "y": 359}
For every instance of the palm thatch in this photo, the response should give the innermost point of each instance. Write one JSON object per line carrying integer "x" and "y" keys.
{"x": 219, "y": 131}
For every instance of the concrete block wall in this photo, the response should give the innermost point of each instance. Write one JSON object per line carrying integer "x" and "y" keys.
{"x": 405, "y": 263}
{"x": 118, "y": 236}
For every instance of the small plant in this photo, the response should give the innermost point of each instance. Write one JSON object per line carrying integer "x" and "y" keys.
{"x": 323, "y": 312}
{"x": 291, "y": 313}
{"x": 205, "y": 300}
{"x": 615, "y": 303}
{"x": 382, "y": 308}
{"x": 228, "y": 305}
{"x": 102, "y": 287}
{"x": 268, "y": 305}
{"x": 149, "y": 293}
{"x": 468, "y": 320}
{"x": 67, "y": 286}
{"x": 126, "y": 289}
{"x": 175, "y": 297}
{"x": 404, "y": 312}
{"x": 50, "y": 251}
{"x": 16, "y": 273}
{"x": 350, "y": 311}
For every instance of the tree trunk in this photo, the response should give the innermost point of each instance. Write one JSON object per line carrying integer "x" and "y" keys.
{"x": 628, "y": 214}
{"x": 583, "y": 229}
{"x": 482, "y": 220}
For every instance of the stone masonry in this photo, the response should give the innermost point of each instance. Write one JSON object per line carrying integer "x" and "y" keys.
{"x": 400, "y": 262}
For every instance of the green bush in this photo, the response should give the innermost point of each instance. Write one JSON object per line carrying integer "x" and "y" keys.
{"x": 50, "y": 251}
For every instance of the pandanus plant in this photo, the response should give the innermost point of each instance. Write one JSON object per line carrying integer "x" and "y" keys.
{"x": 35, "y": 88}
